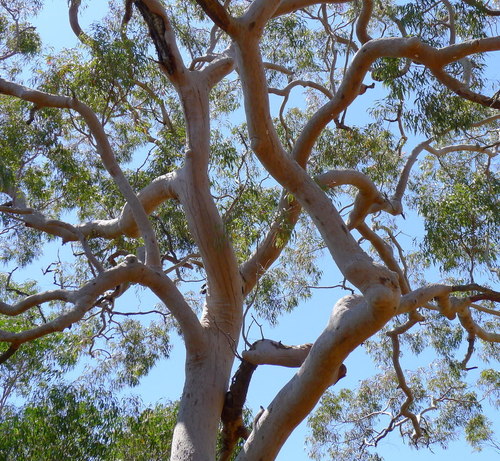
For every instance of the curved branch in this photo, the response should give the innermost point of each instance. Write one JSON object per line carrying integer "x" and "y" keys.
{"x": 368, "y": 200}
{"x": 449, "y": 306}
{"x": 224, "y": 294}
{"x": 405, "y": 408}
{"x": 218, "y": 69}
{"x": 75, "y": 24}
{"x": 151, "y": 197}
{"x": 351, "y": 322}
{"x": 304, "y": 83}
{"x": 104, "y": 149}
{"x": 411, "y": 48}
{"x": 482, "y": 7}
{"x": 397, "y": 198}
{"x": 289, "y": 173}
{"x": 465, "y": 317}
{"x": 34, "y": 300}
{"x": 258, "y": 14}
{"x": 461, "y": 147}
{"x": 462, "y": 90}
{"x": 85, "y": 299}
{"x": 363, "y": 20}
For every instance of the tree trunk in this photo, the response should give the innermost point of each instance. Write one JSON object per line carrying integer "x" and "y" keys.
{"x": 207, "y": 378}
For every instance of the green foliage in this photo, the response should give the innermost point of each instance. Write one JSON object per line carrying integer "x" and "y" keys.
{"x": 146, "y": 433}
{"x": 84, "y": 423}
{"x": 63, "y": 423}
{"x": 462, "y": 216}
{"x": 49, "y": 163}
{"x": 350, "y": 424}
{"x": 285, "y": 285}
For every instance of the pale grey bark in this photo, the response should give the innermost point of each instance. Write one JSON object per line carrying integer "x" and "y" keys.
{"x": 211, "y": 341}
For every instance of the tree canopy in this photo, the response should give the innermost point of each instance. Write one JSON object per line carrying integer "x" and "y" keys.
{"x": 227, "y": 158}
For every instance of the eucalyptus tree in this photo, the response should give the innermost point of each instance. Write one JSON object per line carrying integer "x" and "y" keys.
{"x": 230, "y": 144}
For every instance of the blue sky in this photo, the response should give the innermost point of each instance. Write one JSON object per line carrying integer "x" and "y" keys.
{"x": 303, "y": 325}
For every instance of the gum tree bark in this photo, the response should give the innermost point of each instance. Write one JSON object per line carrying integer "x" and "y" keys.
{"x": 211, "y": 339}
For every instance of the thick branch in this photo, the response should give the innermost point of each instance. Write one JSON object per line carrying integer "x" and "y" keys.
{"x": 351, "y": 322}
{"x": 368, "y": 200}
{"x": 411, "y": 48}
{"x": 290, "y": 174}
{"x": 269, "y": 352}
{"x": 163, "y": 36}
{"x": 217, "y": 13}
{"x": 85, "y": 298}
{"x": 75, "y": 24}
{"x": 258, "y": 14}
{"x": 151, "y": 197}
{"x": 34, "y": 300}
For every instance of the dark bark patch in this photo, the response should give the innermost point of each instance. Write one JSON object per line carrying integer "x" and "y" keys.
{"x": 157, "y": 31}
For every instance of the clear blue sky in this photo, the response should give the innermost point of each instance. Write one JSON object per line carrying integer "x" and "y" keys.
{"x": 304, "y": 325}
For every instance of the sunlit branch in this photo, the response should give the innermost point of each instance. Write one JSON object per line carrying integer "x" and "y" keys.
{"x": 33, "y": 301}
{"x": 405, "y": 408}
{"x": 368, "y": 200}
{"x": 258, "y": 14}
{"x": 86, "y": 297}
{"x": 74, "y": 6}
{"x": 37, "y": 220}
{"x": 289, "y": 6}
{"x": 304, "y": 83}
{"x": 152, "y": 196}
{"x": 461, "y": 148}
{"x": 363, "y": 20}
{"x": 104, "y": 149}
{"x": 465, "y": 317}
{"x": 269, "y": 352}
{"x": 412, "y": 48}
{"x": 386, "y": 254}
{"x": 218, "y": 68}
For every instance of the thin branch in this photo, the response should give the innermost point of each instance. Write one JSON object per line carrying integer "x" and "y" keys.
{"x": 405, "y": 408}
{"x": 104, "y": 149}
{"x": 9, "y": 353}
